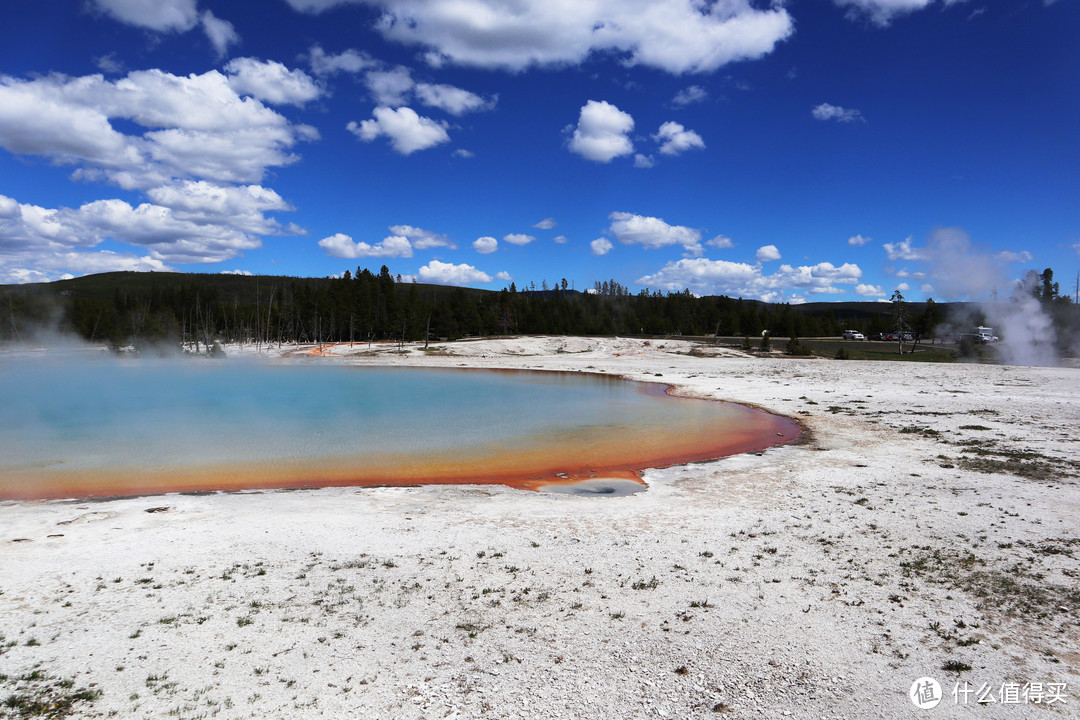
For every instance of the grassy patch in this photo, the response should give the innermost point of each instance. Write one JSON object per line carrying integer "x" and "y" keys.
{"x": 874, "y": 350}
{"x": 1011, "y": 466}
{"x": 643, "y": 585}
{"x": 38, "y": 695}
{"x": 986, "y": 458}
{"x": 919, "y": 430}
{"x": 956, "y": 666}
{"x": 1016, "y": 590}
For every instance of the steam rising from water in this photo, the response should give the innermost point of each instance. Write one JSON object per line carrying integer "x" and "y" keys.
{"x": 961, "y": 271}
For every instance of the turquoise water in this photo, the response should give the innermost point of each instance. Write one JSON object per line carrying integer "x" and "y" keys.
{"x": 100, "y": 416}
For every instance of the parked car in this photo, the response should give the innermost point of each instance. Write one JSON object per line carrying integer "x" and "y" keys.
{"x": 853, "y": 335}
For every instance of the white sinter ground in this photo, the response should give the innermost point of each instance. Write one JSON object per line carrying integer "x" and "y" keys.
{"x": 816, "y": 580}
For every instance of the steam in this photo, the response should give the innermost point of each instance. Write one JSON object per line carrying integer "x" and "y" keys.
{"x": 1027, "y": 331}
{"x": 38, "y": 323}
{"x": 39, "y": 329}
{"x": 963, "y": 272}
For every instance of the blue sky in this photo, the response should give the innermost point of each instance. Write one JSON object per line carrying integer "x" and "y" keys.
{"x": 793, "y": 151}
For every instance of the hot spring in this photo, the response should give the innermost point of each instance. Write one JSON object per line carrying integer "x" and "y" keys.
{"x": 107, "y": 427}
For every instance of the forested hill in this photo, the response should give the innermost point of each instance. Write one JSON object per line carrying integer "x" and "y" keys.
{"x": 132, "y": 308}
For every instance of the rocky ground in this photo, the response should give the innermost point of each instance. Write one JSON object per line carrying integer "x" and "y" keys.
{"x": 927, "y": 526}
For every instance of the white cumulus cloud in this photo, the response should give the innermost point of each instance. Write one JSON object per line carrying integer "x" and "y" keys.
{"x": 767, "y": 253}
{"x": 194, "y": 126}
{"x": 722, "y": 242}
{"x": 825, "y": 111}
{"x": 518, "y": 239}
{"x": 192, "y": 233}
{"x": 196, "y": 146}
{"x": 546, "y": 224}
{"x": 653, "y": 233}
{"x": 1011, "y": 256}
{"x": 271, "y": 81}
{"x": 452, "y": 99}
{"x": 703, "y": 275}
{"x": 869, "y": 290}
{"x": 677, "y": 36}
{"x": 395, "y": 87}
{"x": 858, "y": 240}
{"x": 72, "y": 264}
{"x": 340, "y": 245}
{"x": 390, "y": 87}
{"x": 423, "y": 239}
{"x": 601, "y": 246}
{"x": 485, "y": 245}
{"x": 602, "y": 132}
{"x": 172, "y": 16}
{"x": 674, "y": 139}
{"x": 690, "y": 95}
{"x": 449, "y": 274}
{"x": 110, "y": 63}
{"x": 882, "y": 12}
{"x": 348, "y": 61}
{"x": 903, "y": 251}
{"x": 159, "y": 15}
{"x": 406, "y": 130}
{"x": 220, "y": 33}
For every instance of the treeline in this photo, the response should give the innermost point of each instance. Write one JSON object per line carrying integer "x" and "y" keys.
{"x": 145, "y": 309}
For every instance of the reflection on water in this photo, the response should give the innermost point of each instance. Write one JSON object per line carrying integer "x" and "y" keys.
{"x": 610, "y": 487}
{"x": 106, "y": 426}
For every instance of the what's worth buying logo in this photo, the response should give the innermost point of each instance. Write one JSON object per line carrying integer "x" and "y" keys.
{"x": 925, "y": 693}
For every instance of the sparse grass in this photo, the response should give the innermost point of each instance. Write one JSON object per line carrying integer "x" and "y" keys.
{"x": 918, "y": 429}
{"x": 878, "y": 350}
{"x": 356, "y": 564}
{"x": 45, "y": 697}
{"x": 1016, "y": 590}
{"x": 956, "y": 666}
{"x": 643, "y": 585}
{"x": 1011, "y": 466}
{"x": 1021, "y": 463}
